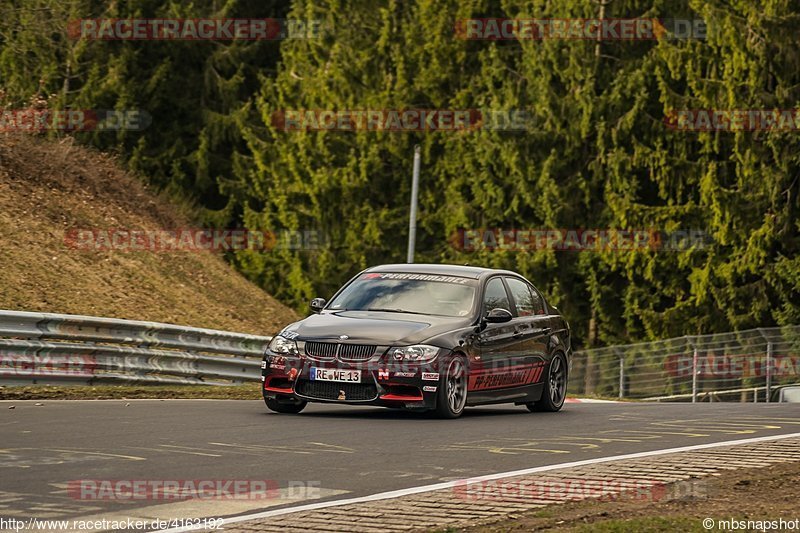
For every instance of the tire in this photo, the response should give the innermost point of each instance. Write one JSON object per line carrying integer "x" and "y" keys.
{"x": 452, "y": 397}
{"x": 555, "y": 387}
{"x": 285, "y": 406}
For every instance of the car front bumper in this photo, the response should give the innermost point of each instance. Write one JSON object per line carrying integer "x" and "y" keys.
{"x": 380, "y": 382}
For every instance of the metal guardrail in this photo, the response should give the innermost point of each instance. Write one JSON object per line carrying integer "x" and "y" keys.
{"x": 45, "y": 348}
{"x": 692, "y": 367}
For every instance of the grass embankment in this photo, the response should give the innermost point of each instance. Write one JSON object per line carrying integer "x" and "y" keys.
{"x": 47, "y": 188}
{"x": 129, "y": 392}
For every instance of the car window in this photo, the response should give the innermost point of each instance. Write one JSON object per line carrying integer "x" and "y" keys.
{"x": 495, "y": 296}
{"x": 528, "y": 300}
{"x": 523, "y": 298}
{"x": 538, "y": 302}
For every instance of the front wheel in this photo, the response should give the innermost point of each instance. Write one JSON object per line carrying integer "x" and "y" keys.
{"x": 555, "y": 387}
{"x": 285, "y": 406}
{"x": 453, "y": 389}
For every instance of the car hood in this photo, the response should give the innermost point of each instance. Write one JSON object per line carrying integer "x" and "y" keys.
{"x": 375, "y": 327}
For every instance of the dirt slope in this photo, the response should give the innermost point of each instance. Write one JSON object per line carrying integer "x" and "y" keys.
{"x": 48, "y": 187}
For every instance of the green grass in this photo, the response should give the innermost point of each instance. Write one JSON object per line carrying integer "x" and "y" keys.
{"x": 655, "y": 524}
{"x": 108, "y": 392}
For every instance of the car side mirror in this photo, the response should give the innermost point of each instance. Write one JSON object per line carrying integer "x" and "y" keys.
{"x": 317, "y": 304}
{"x": 498, "y": 315}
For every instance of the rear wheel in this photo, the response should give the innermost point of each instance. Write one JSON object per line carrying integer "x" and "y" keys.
{"x": 555, "y": 387}
{"x": 289, "y": 406}
{"x": 453, "y": 389}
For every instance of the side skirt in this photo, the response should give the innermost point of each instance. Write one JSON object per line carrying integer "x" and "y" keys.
{"x": 527, "y": 393}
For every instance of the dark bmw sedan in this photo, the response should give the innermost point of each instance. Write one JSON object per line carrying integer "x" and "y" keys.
{"x": 423, "y": 337}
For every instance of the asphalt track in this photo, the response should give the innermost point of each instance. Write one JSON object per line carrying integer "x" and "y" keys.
{"x": 327, "y": 452}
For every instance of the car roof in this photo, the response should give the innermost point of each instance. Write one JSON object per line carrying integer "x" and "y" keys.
{"x": 464, "y": 271}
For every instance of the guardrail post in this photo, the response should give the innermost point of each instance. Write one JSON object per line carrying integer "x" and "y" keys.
{"x": 621, "y": 377}
{"x": 768, "y": 364}
{"x": 769, "y": 371}
{"x": 694, "y": 374}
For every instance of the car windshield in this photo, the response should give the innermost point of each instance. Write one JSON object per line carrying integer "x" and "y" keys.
{"x": 424, "y": 294}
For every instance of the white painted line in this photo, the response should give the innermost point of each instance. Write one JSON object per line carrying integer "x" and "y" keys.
{"x": 488, "y": 477}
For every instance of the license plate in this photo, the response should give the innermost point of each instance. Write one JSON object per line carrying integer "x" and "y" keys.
{"x": 331, "y": 374}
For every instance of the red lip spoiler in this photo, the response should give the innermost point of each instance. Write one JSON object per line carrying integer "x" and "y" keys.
{"x": 275, "y": 389}
{"x": 402, "y": 398}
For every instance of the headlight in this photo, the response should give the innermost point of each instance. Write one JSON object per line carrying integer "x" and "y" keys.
{"x": 418, "y": 353}
{"x": 282, "y": 345}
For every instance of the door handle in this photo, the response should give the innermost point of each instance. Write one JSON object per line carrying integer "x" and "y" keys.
{"x": 542, "y": 331}
{"x": 517, "y": 333}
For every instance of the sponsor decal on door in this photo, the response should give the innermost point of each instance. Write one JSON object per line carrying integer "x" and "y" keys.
{"x": 501, "y": 378}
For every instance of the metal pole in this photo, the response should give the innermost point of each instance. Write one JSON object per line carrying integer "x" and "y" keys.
{"x": 412, "y": 219}
{"x": 621, "y": 377}
{"x": 694, "y": 375}
{"x": 769, "y": 370}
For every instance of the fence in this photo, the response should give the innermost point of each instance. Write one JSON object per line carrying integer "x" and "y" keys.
{"x": 743, "y": 365}
{"x": 44, "y": 348}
